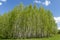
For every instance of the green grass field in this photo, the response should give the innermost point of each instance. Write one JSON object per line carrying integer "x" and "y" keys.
{"x": 56, "y": 37}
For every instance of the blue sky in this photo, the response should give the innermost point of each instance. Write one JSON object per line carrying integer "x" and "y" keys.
{"x": 53, "y": 5}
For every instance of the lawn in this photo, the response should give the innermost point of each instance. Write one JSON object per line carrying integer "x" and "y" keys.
{"x": 56, "y": 37}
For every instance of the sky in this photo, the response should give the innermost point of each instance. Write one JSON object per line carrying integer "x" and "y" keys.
{"x": 53, "y": 5}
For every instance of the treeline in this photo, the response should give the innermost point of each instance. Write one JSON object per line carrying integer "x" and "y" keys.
{"x": 27, "y": 22}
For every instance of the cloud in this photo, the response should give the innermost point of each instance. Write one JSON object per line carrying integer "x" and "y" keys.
{"x": 57, "y": 19}
{"x": 36, "y": 1}
{"x": 58, "y": 28}
{"x": 0, "y": 3}
{"x": 3, "y": 0}
{"x": 47, "y": 2}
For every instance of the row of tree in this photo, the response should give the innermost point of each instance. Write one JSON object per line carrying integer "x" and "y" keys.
{"x": 27, "y": 22}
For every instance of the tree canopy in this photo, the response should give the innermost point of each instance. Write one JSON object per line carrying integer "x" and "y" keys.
{"x": 27, "y": 22}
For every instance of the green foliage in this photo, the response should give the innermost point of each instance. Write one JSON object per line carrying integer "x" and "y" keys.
{"x": 58, "y": 31}
{"x": 27, "y": 22}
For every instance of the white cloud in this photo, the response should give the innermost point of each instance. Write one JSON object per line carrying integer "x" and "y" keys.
{"x": 57, "y": 19}
{"x": 47, "y": 2}
{"x": 0, "y": 3}
{"x": 36, "y": 1}
{"x": 58, "y": 28}
{"x": 3, "y": 0}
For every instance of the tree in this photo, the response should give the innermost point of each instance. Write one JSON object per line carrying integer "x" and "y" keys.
{"x": 27, "y": 22}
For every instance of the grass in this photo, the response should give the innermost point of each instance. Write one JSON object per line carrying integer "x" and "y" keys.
{"x": 56, "y": 37}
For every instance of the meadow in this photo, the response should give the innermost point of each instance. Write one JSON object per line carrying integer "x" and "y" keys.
{"x": 56, "y": 37}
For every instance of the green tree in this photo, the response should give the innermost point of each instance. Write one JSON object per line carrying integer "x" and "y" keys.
{"x": 27, "y": 22}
